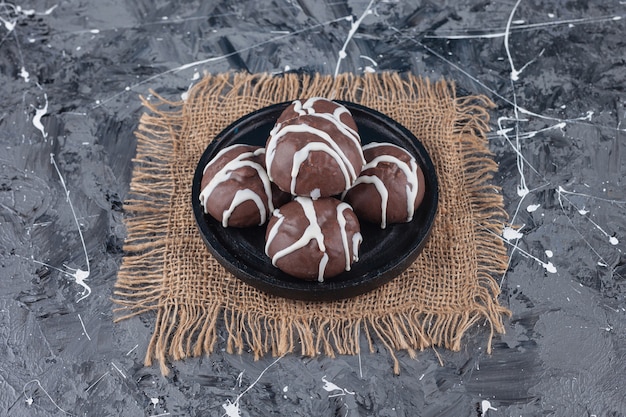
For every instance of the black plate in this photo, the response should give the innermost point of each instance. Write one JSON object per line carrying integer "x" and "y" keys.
{"x": 384, "y": 253}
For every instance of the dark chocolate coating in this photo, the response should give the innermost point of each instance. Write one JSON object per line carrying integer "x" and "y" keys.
{"x": 238, "y": 178}
{"x": 320, "y": 174}
{"x": 290, "y": 223}
{"x": 365, "y": 197}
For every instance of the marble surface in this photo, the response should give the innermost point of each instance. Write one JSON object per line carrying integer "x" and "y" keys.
{"x": 70, "y": 75}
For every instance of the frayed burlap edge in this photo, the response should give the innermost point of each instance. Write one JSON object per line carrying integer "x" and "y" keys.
{"x": 183, "y": 330}
{"x": 139, "y": 285}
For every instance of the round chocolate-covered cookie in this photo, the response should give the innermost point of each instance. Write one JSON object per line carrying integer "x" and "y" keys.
{"x": 236, "y": 190}
{"x": 314, "y": 150}
{"x": 390, "y": 188}
{"x": 313, "y": 239}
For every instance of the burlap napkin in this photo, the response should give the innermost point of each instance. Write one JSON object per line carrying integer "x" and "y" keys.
{"x": 168, "y": 269}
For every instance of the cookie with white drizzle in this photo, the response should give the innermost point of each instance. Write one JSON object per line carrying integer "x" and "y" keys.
{"x": 235, "y": 188}
{"x": 390, "y": 188}
{"x": 314, "y": 150}
{"x": 313, "y": 239}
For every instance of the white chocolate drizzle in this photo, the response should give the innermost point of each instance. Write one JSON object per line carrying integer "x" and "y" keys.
{"x": 322, "y": 267}
{"x": 240, "y": 197}
{"x": 303, "y": 154}
{"x": 382, "y": 192}
{"x": 240, "y": 161}
{"x": 324, "y": 143}
{"x": 356, "y": 238}
{"x": 273, "y": 232}
{"x": 314, "y": 232}
{"x": 335, "y": 118}
{"x": 222, "y": 152}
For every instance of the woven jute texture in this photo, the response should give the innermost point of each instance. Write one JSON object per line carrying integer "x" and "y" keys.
{"x": 168, "y": 270}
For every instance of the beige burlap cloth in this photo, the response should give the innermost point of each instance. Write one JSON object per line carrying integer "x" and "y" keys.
{"x": 168, "y": 270}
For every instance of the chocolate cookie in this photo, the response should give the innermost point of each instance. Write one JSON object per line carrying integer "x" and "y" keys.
{"x": 313, "y": 239}
{"x": 236, "y": 190}
{"x": 390, "y": 188}
{"x": 314, "y": 149}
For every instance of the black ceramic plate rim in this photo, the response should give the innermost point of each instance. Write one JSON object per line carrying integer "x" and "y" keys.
{"x": 277, "y": 282}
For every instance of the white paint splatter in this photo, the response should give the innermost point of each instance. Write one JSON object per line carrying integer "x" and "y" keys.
{"x": 522, "y": 188}
{"x": 529, "y": 134}
{"x": 29, "y": 399}
{"x": 78, "y": 274}
{"x": 39, "y": 113}
{"x": 500, "y": 33}
{"x": 96, "y": 382}
{"x": 561, "y": 196}
{"x": 239, "y": 379}
{"x": 8, "y": 24}
{"x": 517, "y": 108}
{"x": 485, "y": 406}
{"x": 532, "y": 208}
{"x": 510, "y": 234}
{"x": 185, "y": 95}
{"x": 330, "y": 387}
{"x": 503, "y": 132}
{"x": 232, "y": 408}
{"x": 514, "y": 73}
{"x": 119, "y": 370}
{"x": 98, "y": 103}
{"x": 354, "y": 27}
{"x": 24, "y": 74}
{"x": 549, "y": 267}
{"x": 370, "y": 59}
{"x": 50, "y": 10}
{"x": 83, "y": 325}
